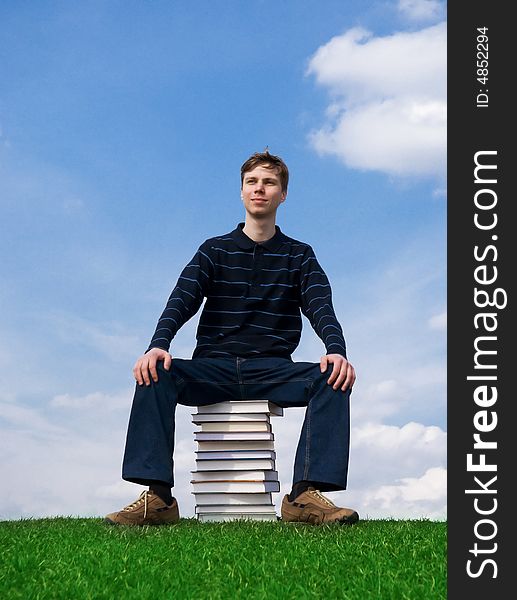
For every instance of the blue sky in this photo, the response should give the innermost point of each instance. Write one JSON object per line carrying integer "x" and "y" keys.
{"x": 123, "y": 126}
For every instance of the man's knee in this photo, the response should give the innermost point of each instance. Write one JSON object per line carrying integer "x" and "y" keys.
{"x": 160, "y": 366}
{"x": 321, "y": 383}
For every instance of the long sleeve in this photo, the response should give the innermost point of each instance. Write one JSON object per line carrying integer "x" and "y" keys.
{"x": 185, "y": 299}
{"x": 316, "y": 304}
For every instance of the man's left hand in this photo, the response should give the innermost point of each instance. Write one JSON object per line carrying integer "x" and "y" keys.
{"x": 343, "y": 373}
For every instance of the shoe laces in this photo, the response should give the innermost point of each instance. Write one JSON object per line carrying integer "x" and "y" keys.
{"x": 142, "y": 498}
{"x": 317, "y": 494}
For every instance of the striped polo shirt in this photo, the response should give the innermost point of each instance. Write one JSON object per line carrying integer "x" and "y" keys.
{"x": 254, "y": 293}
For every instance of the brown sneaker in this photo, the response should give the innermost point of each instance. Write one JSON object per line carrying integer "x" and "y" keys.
{"x": 149, "y": 509}
{"x": 312, "y": 507}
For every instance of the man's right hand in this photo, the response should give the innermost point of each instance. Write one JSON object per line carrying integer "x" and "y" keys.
{"x": 145, "y": 366}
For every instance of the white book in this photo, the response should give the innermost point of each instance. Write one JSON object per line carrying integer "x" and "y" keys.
{"x": 236, "y": 486}
{"x": 202, "y": 418}
{"x": 242, "y": 406}
{"x": 225, "y": 454}
{"x": 236, "y": 426}
{"x": 233, "y": 435}
{"x": 243, "y": 508}
{"x": 235, "y": 464}
{"x": 233, "y": 498}
{"x": 234, "y": 475}
{"x": 223, "y": 445}
{"x": 221, "y": 517}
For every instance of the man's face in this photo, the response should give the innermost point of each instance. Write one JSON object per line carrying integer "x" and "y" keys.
{"x": 262, "y": 192}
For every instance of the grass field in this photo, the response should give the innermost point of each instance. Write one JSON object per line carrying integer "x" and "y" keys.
{"x": 73, "y": 558}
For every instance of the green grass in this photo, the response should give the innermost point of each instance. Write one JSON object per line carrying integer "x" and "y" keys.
{"x": 85, "y": 558}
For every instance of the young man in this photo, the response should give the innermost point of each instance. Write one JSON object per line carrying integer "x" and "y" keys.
{"x": 255, "y": 280}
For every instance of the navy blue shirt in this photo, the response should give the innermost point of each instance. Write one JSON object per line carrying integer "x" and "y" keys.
{"x": 254, "y": 293}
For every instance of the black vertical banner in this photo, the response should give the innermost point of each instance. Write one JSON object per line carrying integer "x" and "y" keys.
{"x": 482, "y": 267}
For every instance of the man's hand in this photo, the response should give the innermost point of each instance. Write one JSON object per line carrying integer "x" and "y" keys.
{"x": 343, "y": 373}
{"x": 145, "y": 366}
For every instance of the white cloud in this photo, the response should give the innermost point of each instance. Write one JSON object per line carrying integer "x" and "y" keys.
{"x": 431, "y": 486}
{"x": 421, "y": 10}
{"x": 358, "y": 66}
{"x": 90, "y": 401}
{"x": 439, "y": 321}
{"x": 382, "y": 454}
{"x": 26, "y": 418}
{"x": 376, "y": 400}
{"x": 397, "y": 472}
{"x": 64, "y": 470}
{"x": 388, "y": 100}
{"x": 75, "y": 468}
{"x": 391, "y": 438}
{"x": 425, "y": 496}
{"x": 379, "y": 400}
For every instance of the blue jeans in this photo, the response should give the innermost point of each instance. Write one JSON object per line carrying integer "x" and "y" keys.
{"x": 323, "y": 447}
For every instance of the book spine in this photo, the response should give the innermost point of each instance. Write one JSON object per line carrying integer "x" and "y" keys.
{"x": 233, "y": 435}
{"x": 234, "y": 427}
{"x": 257, "y": 475}
{"x": 235, "y": 454}
{"x": 236, "y": 486}
{"x": 242, "y": 406}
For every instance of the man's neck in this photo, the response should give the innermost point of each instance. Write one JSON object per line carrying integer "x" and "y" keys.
{"x": 259, "y": 230}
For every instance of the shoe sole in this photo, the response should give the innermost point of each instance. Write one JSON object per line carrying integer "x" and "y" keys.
{"x": 115, "y": 524}
{"x": 350, "y": 520}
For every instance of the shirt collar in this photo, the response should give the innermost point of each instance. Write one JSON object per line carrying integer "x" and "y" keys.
{"x": 246, "y": 243}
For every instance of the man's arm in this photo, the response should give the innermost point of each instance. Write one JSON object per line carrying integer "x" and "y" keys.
{"x": 316, "y": 305}
{"x": 183, "y": 303}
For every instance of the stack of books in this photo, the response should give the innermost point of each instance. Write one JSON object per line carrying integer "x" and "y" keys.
{"x": 235, "y": 461}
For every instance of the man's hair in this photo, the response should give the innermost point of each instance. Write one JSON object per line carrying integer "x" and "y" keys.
{"x": 269, "y": 161}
